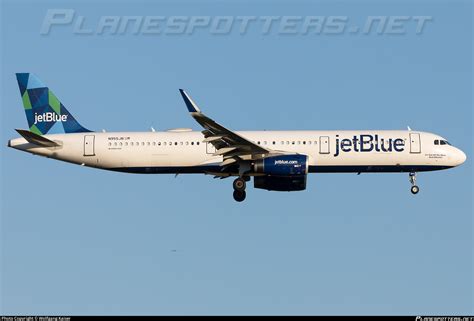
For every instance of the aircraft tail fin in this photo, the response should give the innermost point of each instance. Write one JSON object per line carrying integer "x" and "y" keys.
{"x": 44, "y": 112}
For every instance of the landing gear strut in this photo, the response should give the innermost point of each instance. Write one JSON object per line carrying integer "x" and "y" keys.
{"x": 414, "y": 188}
{"x": 239, "y": 189}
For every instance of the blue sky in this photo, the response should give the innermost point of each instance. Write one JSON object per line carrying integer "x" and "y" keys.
{"x": 76, "y": 240}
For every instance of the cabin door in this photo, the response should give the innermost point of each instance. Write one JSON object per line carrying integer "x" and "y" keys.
{"x": 89, "y": 145}
{"x": 415, "y": 144}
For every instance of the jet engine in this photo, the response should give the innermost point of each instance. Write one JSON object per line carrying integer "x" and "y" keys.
{"x": 282, "y": 172}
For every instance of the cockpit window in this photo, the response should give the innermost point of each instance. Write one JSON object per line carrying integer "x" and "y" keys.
{"x": 441, "y": 142}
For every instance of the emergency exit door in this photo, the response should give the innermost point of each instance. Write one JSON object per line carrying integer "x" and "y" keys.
{"x": 210, "y": 149}
{"x": 89, "y": 145}
{"x": 415, "y": 143}
{"x": 324, "y": 144}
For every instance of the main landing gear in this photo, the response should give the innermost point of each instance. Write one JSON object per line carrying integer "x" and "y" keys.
{"x": 239, "y": 189}
{"x": 414, "y": 188}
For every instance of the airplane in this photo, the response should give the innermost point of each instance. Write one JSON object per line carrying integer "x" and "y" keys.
{"x": 276, "y": 160}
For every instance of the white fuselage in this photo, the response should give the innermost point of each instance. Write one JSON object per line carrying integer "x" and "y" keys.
{"x": 183, "y": 151}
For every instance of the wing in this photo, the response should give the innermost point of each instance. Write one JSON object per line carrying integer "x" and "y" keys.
{"x": 228, "y": 144}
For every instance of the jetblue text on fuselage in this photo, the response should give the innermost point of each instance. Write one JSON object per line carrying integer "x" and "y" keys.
{"x": 49, "y": 117}
{"x": 368, "y": 143}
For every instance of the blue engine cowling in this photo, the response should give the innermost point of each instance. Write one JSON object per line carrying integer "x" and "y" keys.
{"x": 280, "y": 183}
{"x": 282, "y": 165}
{"x": 283, "y": 173}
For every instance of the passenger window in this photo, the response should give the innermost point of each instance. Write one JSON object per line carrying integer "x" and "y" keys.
{"x": 273, "y": 142}
{"x": 192, "y": 143}
{"x": 159, "y": 143}
{"x": 110, "y": 144}
{"x": 126, "y": 144}
{"x": 304, "y": 142}
{"x": 148, "y": 143}
{"x": 175, "y": 143}
{"x": 197, "y": 143}
{"x": 120, "y": 143}
{"x": 187, "y": 143}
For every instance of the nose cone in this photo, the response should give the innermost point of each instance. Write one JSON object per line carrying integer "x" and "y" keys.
{"x": 459, "y": 157}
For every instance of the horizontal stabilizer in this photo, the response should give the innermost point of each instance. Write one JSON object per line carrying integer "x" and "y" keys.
{"x": 36, "y": 139}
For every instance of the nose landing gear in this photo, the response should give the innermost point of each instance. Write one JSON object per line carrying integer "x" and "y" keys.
{"x": 414, "y": 188}
{"x": 239, "y": 189}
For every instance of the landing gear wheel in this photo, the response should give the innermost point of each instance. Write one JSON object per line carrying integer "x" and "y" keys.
{"x": 239, "y": 184}
{"x": 239, "y": 196}
{"x": 414, "y": 189}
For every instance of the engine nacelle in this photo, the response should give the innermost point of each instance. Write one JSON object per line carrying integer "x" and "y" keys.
{"x": 283, "y": 173}
{"x": 280, "y": 183}
{"x": 282, "y": 165}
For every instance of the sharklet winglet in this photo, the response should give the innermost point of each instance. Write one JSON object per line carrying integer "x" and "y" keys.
{"x": 192, "y": 107}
